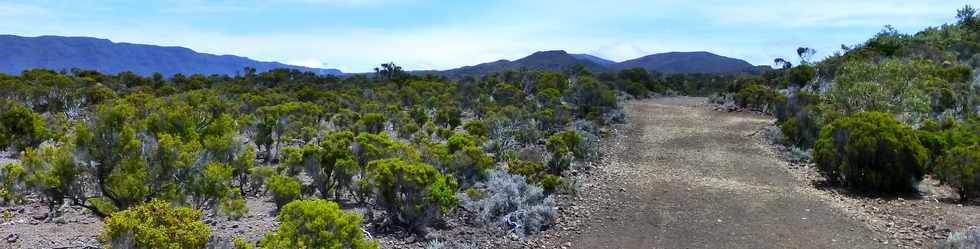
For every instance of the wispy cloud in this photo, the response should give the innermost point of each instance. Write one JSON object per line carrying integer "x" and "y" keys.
{"x": 16, "y": 9}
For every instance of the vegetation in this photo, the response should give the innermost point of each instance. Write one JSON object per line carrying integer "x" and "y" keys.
{"x": 155, "y": 224}
{"x": 872, "y": 151}
{"x": 414, "y": 194}
{"x": 858, "y": 107}
{"x": 316, "y": 224}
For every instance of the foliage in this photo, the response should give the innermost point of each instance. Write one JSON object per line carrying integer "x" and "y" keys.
{"x": 758, "y": 97}
{"x": 891, "y": 86}
{"x": 316, "y": 223}
{"x": 155, "y": 224}
{"x": 51, "y": 170}
{"x": 413, "y": 194}
{"x": 21, "y": 127}
{"x": 284, "y": 189}
{"x": 513, "y": 204}
{"x": 871, "y": 151}
{"x": 11, "y": 182}
{"x": 533, "y": 171}
{"x": 960, "y": 168}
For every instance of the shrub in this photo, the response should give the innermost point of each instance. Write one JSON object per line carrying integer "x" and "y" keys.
{"x": 316, "y": 224}
{"x": 11, "y": 182}
{"x": 551, "y": 183}
{"x": 477, "y": 128}
{"x": 284, "y": 189}
{"x": 871, "y": 151}
{"x": 234, "y": 207}
{"x": 240, "y": 243}
{"x": 960, "y": 168}
{"x": 259, "y": 175}
{"x": 967, "y": 239}
{"x": 533, "y": 171}
{"x": 413, "y": 194}
{"x": 513, "y": 204}
{"x": 20, "y": 127}
{"x": 373, "y": 122}
{"x": 51, "y": 170}
{"x": 155, "y": 224}
{"x": 758, "y": 97}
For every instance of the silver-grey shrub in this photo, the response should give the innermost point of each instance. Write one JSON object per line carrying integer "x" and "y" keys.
{"x": 967, "y": 239}
{"x": 513, "y": 205}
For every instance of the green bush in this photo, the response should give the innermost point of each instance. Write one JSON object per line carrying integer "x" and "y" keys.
{"x": 373, "y": 122}
{"x": 20, "y": 127}
{"x": 316, "y": 224}
{"x": 533, "y": 171}
{"x": 11, "y": 182}
{"x": 552, "y": 183}
{"x": 413, "y": 194}
{"x": 871, "y": 151}
{"x": 477, "y": 128}
{"x": 284, "y": 189}
{"x": 960, "y": 168}
{"x": 155, "y": 224}
{"x": 51, "y": 170}
{"x": 758, "y": 97}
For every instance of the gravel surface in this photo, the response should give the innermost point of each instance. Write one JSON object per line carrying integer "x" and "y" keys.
{"x": 681, "y": 175}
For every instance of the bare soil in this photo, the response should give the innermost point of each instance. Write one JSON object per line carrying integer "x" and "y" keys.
{"x": 680, "y": 175}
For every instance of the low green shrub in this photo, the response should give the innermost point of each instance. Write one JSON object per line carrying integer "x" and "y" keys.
{"x": 284, "y": 189}
{"x": 960, "y": 168}
{"x": 413, "y": 194}
{"x": 155, "y": 224}
{"x": 316, "y": 223}
{"x": 871, "y": 151}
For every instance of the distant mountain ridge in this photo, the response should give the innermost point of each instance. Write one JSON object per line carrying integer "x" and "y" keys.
{"x": 687, "y": 62}
{"x": 559, "y": 60}
{"x": 61, "y": 53}
{"x": 19, "y": 53}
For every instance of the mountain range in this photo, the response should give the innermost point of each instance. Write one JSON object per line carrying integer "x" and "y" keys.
{"x": 19, "y": 53}
{"x": 558, "y": 60}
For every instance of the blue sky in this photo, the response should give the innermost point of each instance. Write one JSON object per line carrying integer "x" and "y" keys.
{"x": 356, "y": 35}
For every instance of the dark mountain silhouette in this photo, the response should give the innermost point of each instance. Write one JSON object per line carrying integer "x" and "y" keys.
{"x": 687, "y": 62}
{"x": 553, "y": 60}
{"x": 593, "y": 58}
{"x": 558, "y": 60}
{"x": 57, "y": 53}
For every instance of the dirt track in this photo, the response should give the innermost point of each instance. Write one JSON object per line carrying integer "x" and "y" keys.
{"x": 684, "y": 176}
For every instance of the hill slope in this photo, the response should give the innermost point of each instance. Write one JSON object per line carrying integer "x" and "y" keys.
{"x": 553, "y": 60}
{"x": 58, "y": 52}
{"x": 687, "y": 62}
{"x": 558, "y": 60}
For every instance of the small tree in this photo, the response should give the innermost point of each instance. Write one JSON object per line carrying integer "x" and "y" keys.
{"x": 316, "y": 224}
{"x": 155, "y": 224}
{"x": 960, "y": 168}
{"x": 413, "y": 194}
{"x": 284, "y": 189}
{"x": 11, "y": 183}
{"x": 20, "y": 127}
{"x": 871, "y": 151}
{"x": 52, "y": 171}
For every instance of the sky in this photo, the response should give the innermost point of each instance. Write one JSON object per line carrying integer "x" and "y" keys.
{"x": 358, "y": 35}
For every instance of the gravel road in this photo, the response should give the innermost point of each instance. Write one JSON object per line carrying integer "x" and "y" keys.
{"x": 683, "y": 176}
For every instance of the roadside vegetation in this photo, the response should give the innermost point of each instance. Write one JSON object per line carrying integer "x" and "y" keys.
{"x": 878, "y": 116}
{"x": 413, "y": 149}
